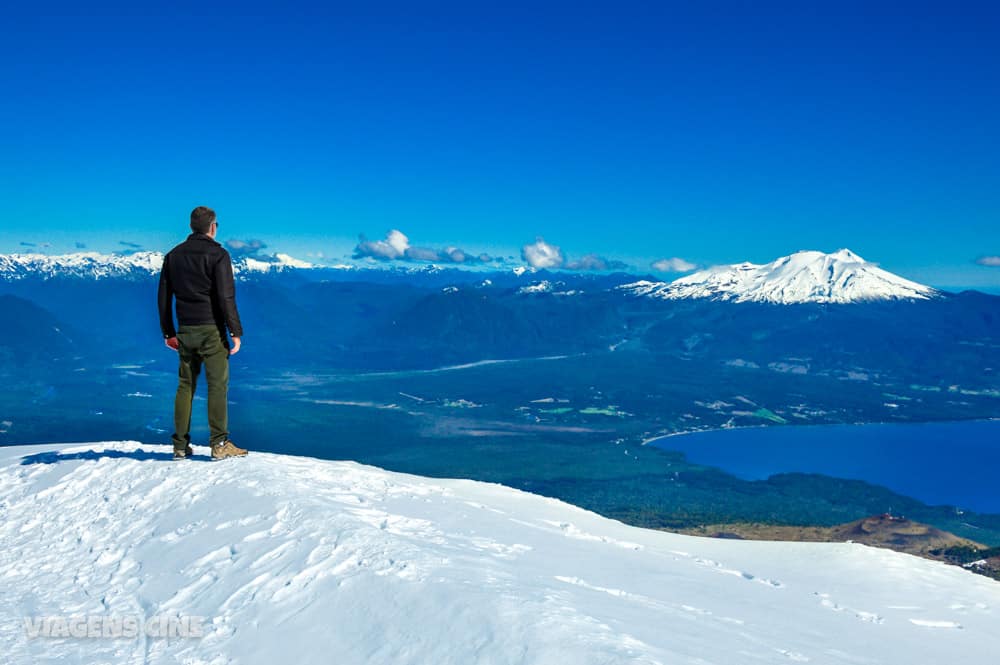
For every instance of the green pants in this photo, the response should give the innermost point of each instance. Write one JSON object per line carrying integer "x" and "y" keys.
{"x": 202, "y": 346}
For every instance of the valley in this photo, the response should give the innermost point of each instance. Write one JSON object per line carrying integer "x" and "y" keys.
{"x": 555, "y": 390}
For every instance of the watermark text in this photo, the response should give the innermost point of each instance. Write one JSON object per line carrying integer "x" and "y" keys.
{"x": 113, "y": 626}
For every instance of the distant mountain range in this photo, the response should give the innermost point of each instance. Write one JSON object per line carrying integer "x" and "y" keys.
{"x": 806, "y": 314}
{"x": 803, "y": 277}
{"x": 89, "y": 265}
{"x": 136, "y": 265}
{"x": 824, "y": 308}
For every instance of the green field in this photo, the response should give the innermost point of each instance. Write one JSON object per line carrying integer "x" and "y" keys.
{"x": 571, "y": 428}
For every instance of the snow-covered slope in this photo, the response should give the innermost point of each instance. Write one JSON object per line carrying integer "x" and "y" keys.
{"x": 808, "y": 276}
{"x": 296, "y": 560}
{"x": 93, "y": 265}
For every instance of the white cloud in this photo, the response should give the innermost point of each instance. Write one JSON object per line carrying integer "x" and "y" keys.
{"x": 251, "y": 250}
{"x": 456, "y": 255}
{"x": 991, "y": 261}
{"x": 674, "y": 264}
{"x": 393, "y": 247}
{"x": 595, "y": 262}
{"x": 540, "y": 254}
{"x": 396, "y": 247}
{"x": 419, "y": 254}
{"x": 249, "y": 247}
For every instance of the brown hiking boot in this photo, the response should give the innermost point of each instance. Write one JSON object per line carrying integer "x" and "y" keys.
{"x": 224, "y": 449}
{"x": 183, "y": 453}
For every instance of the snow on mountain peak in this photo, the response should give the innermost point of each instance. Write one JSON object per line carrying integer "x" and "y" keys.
{"x": 847, "y": 255}
{"x": 544, "y": 286}
{"x": 266, "y": 264}
{"x": 94, "y": 265}
{"x": 292, "y": 262}
{"x": 292, "y": 559}
{"x": 80, "y": 264}
{"x": 805, "y": 276}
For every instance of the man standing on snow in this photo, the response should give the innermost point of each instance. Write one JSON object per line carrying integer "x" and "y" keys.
{"x": 199, "y": 273}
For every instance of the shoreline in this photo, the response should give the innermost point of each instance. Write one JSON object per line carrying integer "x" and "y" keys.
{"x": 658, "y": 437}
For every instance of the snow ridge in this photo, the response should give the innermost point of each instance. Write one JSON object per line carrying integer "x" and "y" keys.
{"x": 292, "y": 559}
{"x": 806, "y": 276}
{"x": 276, "y": 263}
{"x": 92, "y": 265}
{"x": 97, "y": 266}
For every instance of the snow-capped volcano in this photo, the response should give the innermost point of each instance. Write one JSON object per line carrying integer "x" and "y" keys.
{"x": 807, "y": 276}
{"x": 298, "y": 560}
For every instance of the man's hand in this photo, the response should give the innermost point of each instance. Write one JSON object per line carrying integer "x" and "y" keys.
{"x": 236, "y": 346}
{"x": 172, "y": 343}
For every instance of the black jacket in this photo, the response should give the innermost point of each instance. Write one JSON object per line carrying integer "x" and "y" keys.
{"x": 199, "y": 274}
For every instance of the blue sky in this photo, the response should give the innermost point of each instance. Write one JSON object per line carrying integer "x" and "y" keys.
{"x": 633, "y": 131}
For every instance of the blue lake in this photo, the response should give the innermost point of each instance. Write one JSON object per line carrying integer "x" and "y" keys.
{"x": 951, "y": 463}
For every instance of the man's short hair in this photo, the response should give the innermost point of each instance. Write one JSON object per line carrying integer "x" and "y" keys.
{"x": 201, "y": 219}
